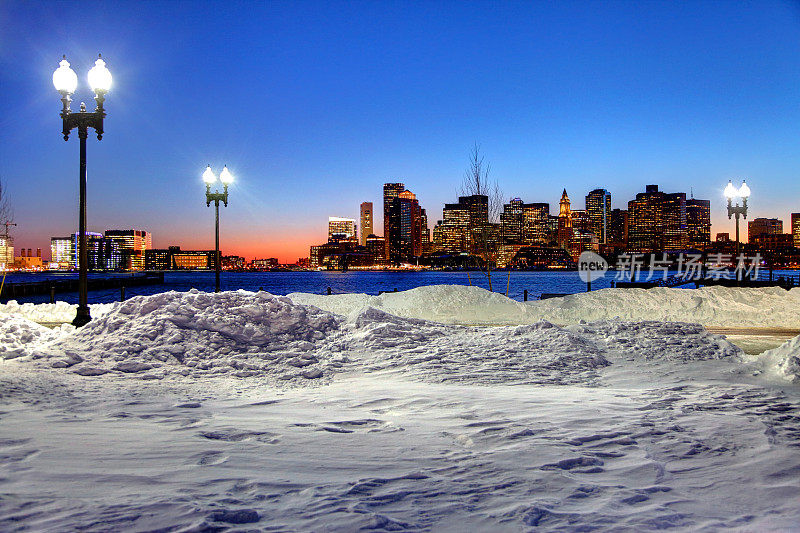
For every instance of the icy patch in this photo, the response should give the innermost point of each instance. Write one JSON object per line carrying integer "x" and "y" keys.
{"x": 196, "y": 333}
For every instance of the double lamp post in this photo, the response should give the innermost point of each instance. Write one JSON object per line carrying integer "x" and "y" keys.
{"x": 732, "y": 193}
{"x": 66, "y": 81}
{"x": 210, "y": 179}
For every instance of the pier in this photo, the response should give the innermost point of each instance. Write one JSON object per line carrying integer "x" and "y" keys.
{"x": 13, "y": 290}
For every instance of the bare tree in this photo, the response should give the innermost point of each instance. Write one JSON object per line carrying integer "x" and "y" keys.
{"x": 484, "y": 237}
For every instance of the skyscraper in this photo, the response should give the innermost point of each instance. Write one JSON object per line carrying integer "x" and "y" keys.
{"x": 698, "y": 223}
{"x": 673, "y": 212}
{"x": 511, "y": 222}
{"x": 657, "y": 221}
{"x": 404, "y": 223}
{"x": 535, "y": 223}
{"x": 796, "y": 229}
{"x": 454, "y": 228}
{"x": 366, "y": 222}
{"x": 618, "y": 229}
{"x": 645, "y": 221}
{"x": 390, "y": 192}
{"x": 598, "y": 207}
{"x": 564, "y": 221}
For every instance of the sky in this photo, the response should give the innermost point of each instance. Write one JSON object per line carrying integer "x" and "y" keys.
{"x": 314, "y": 105}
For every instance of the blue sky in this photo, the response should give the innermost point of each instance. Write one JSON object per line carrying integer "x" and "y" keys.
{"x": 314, "y": 105}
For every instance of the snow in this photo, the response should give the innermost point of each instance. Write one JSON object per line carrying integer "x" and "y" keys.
{"x": 245, "y": 334}
{"x": 783, "y": 361}
{"x": 49, "y": 313}
{"x": 194, "y": 333}
{"x": 402, "y": 412}
{"x": 770, "y": 307}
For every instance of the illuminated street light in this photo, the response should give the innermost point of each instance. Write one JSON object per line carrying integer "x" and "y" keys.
{"x": 210, "y": 178}
{"x": 732, "y": 193}
{"x": 66, "y": 82}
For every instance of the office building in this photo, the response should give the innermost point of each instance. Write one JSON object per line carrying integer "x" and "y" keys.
{"x": 581, "y": 222}
{"x": 673, "y": 221}
{"x": 341, "y": 228}
{"x": 511, "y": 222}
{"x": 390, "y": 192}
{"x": 698, "y": 223}
{"x": 404, "y": 240}
{"x": 6, "y": 252}
{"x": 366, "y": 222}
{"x": 598, "y": 208}
{"x": 62, "y": 252}
{"x": 772, "y": 242}
{"x": 132, "y": 245}
{"x": 536, "y": 223}
{"x": 763, "y": 226}
{"x": 376, "y": 246}
{"x": 173, "y": 258}
{"x": 796, "y": 229}
{"x": 265, "y": 264}
{"x": 618, "y": 229}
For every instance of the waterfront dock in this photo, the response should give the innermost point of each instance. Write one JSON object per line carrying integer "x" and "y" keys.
{"x": 13, "y": 290}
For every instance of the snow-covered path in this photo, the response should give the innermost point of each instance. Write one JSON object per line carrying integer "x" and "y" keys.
{"x": 396, "y": 455}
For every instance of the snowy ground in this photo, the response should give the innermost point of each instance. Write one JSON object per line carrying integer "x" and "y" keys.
{"x": 238, "y": 411}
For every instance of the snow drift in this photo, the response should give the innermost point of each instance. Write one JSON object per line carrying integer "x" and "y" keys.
{"x": 770, "y": 307}
{"x": 448, "y": 304}
{"x": 783, "y": 361}
{"x": 247, "y": 334}
{"x": 239, "y": 333}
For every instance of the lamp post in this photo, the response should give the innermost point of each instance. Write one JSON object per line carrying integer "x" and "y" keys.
{"x": 733, "y": 193}
{"x": 66, "y": 81}
{"x": 210, "y": 178}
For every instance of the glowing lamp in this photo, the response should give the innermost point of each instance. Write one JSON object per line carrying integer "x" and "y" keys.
{"x": 64, "y": 78}
{"x": 730, "y": 191}
{"x": 99, "y": 77}
{"x": 744, "y": 190}
{"x": 208, "y": 176}
{"x": 225, "y": 176}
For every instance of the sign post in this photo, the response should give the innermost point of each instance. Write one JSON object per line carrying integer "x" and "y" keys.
{"x": 591, "y": 266}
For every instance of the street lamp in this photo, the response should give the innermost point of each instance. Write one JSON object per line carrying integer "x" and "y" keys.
{"x": 66, "y": 81}
{"x": 732, "y": 193}
{"x": 210, "y": 178}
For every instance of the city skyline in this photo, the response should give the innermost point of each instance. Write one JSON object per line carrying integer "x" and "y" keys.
{"x": 313, "y": 108}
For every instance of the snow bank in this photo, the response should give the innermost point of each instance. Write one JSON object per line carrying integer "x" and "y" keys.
{"x": 448, "y": 304}
{"x": 770, "y": 307}
{"x": 49, "y": 313}
{"x": 238, "y": 333}
{"x": 783, "y": 361}
{"x": 18, "y": 334}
